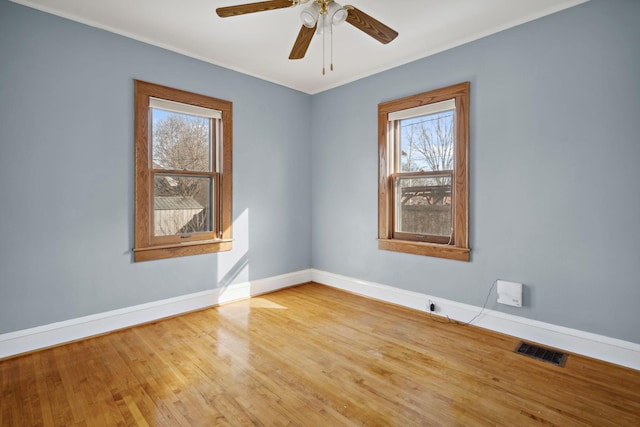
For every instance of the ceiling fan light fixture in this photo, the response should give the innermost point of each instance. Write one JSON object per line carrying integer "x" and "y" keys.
{"x": 336, "y": 13}
{"x": 323, "y": 22}
{"x": 309, "y": 16}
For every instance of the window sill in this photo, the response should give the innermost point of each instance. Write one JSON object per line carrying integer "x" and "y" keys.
{"x": 179, "y": 250}
{"x": 426, "y": 249}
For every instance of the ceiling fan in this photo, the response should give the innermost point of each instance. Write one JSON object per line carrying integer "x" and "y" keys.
{"x": 319, "y": 16}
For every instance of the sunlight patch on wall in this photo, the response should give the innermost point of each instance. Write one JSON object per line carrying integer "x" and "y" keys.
{"x": 233, "y": 266}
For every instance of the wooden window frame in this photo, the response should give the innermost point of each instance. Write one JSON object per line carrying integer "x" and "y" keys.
{"x": 146, "y": 245}
{"x": 457, "y": 248}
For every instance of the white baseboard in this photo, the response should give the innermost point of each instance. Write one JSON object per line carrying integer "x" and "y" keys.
{"x": 597, "y": 346}
{"x": 600, "y": 347}
{"x": 23, "y": 341}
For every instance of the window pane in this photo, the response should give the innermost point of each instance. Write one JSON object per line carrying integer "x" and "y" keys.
{"x": 182, "y": 205}
{"x": 423, "y": 205}
{"x": 180, "y": 141}
{"x": 426, "y": 143}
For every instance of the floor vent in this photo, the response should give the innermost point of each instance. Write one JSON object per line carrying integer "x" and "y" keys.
{"x": 545, "y": 354}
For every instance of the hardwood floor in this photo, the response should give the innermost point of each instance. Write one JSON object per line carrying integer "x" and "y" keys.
{"x": 310, "y": 356}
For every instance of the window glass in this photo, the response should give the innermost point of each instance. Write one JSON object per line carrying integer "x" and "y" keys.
{"x": 182, "y": 205}
{"x": 426, "y": 143}
{"x": 423, "y": 205}
{"x": 180, "y": 141}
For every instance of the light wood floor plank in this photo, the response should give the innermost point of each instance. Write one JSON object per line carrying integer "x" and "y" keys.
{"x": 310, "y": 356}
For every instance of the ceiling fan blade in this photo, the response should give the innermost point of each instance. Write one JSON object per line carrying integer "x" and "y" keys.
{"x": 241, "y": 9}
{"x": 302, "y": 42}
{"x": 369, "y": 25}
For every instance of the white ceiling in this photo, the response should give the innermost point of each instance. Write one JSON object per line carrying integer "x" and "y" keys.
{"x": 258, "y": 44}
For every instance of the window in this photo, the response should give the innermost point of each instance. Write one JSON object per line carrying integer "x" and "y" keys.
{"x": 182, "y": 173}
{"x": 423, "y": 173}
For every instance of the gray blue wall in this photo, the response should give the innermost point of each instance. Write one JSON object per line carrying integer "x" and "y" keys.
{"x": 555, "y": 193}
{"x": 555, "y": 119}
{"x": 66, "y": 173}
